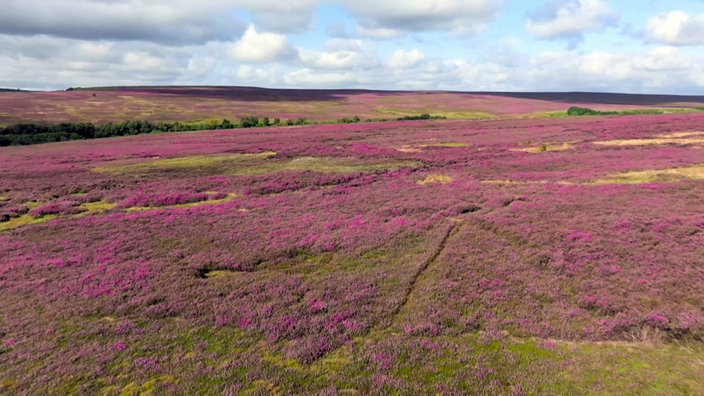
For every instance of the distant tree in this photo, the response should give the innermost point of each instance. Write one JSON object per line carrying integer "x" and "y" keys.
{"x": 249, "y": 122}
{"x": 226, "y": 124}
{"x": 581, "y": 111}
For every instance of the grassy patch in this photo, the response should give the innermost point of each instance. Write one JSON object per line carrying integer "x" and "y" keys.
{"x": 229, "y": 197}
{"x": 97, "y": 207}
{"x": 449, "y": 144}
{"x": 678, "y": 138}
{"x": 342, "y": 165}
{"x": 24, "y": 220}
{"x": 695, "y": 172}
{"x": 148, "y": 387}
{"x": 609, "y": 368}
{"x": 547, "y": 147}
{"x": 417, "y": 148}
{"x": 449, "y": 114}
{"x": 524, "y": 366}
{"x": 32, "y": 204}
{"x": 660, "y": 111}
{"x": 435, "y": 178}
{"x": 255, "y": 164}
{"x": 181, "y": 163}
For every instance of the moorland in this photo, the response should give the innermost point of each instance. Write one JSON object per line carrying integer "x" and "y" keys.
{"x": 503, "y": 247}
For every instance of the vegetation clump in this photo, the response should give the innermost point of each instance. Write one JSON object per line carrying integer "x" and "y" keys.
{"x": 424, "y": 116}
{"x": 585, "y": 111}
{"x": 33, "y": 133}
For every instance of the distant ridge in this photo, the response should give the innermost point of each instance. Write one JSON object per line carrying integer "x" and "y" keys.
{"x": 260, "y": 93}
{"x": 600, "y": 97}
{"x": 101, "y": 105}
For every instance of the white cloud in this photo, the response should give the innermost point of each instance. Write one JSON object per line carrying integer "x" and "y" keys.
{"x": 49, "y": 62}
{"x": 676, "y": 28}
{"x": 259, "y": 47}
{"x": 570, "y": 19}
{"x": 291, "y": 16}
{"x": 174, "y": 22}
{"x": 389, "y": 17}
{"x": 402, "y": 59}
{"x": 332, "y": 60}
{"x": 315, "y": 78}
{"x": 378, "y": 33}
{"x": 340, "y": 54}
{"x": 185, "y": 42}
{"x": 265, "y": 76}
{"x": 663, "y": 69}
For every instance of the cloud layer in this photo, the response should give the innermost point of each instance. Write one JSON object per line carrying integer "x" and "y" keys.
{"x": 571, "y": 19}
{"x": 677, "y": 28}
{"x": 394, "y": 44}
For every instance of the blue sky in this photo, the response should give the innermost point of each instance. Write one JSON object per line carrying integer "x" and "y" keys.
{"x": 469, "y": 45}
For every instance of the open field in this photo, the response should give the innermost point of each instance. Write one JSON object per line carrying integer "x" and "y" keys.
{"x": 507, "y": 255}
{"x": 102, "y": 105}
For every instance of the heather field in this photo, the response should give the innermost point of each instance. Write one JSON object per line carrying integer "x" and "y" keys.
{"x": 102, "y": 105}
{"x": 506, "y": 255}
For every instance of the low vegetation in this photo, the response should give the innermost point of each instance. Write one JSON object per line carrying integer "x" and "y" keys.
{"x": 26, "y": 134}
{"x": 358, "y": 258}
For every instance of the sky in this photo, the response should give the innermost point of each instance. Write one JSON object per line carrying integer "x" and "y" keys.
{"x": 635, "y": 46}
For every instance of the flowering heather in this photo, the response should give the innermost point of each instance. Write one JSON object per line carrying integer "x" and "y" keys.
{"x": 187, "y": 104}
{"x": 410, "y": 257}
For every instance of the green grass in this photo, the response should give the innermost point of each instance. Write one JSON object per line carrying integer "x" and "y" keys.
{"x": 229, "y": 197}
{"x": 254, "y": 164}
{"x": 435, "y": 112}
{"x": 24, "y": 220}
{"x": 188, "y": 162}
{"x": 97, "y": 207}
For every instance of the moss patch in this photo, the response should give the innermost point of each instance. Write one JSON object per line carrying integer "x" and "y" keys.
{"x": 97, "y": 207}
{"x": 24, "y": 220}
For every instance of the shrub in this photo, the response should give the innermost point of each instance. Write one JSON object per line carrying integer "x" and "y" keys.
{"x": 581, "y": 111}
{"x": 249, "y": 122}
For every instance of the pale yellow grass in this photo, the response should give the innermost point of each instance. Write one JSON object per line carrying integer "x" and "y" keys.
{"x": 547, "y": 147}
{"x": 677, "y": 138}
{"x": 229, "y": 197}
{"x": 23, "y": 220}
{"x": 188, "y": 162}
{"x": 98, "y": 207}
{"x": 435, "y": 178}
{"x": 694, "y": 172}
{"x": 256, "y": 164}
{"x": 417, "y": 148}
{"x": 516, "y": 182}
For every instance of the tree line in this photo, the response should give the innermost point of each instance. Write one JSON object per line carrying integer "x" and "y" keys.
{"x": 33, "y": 133}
